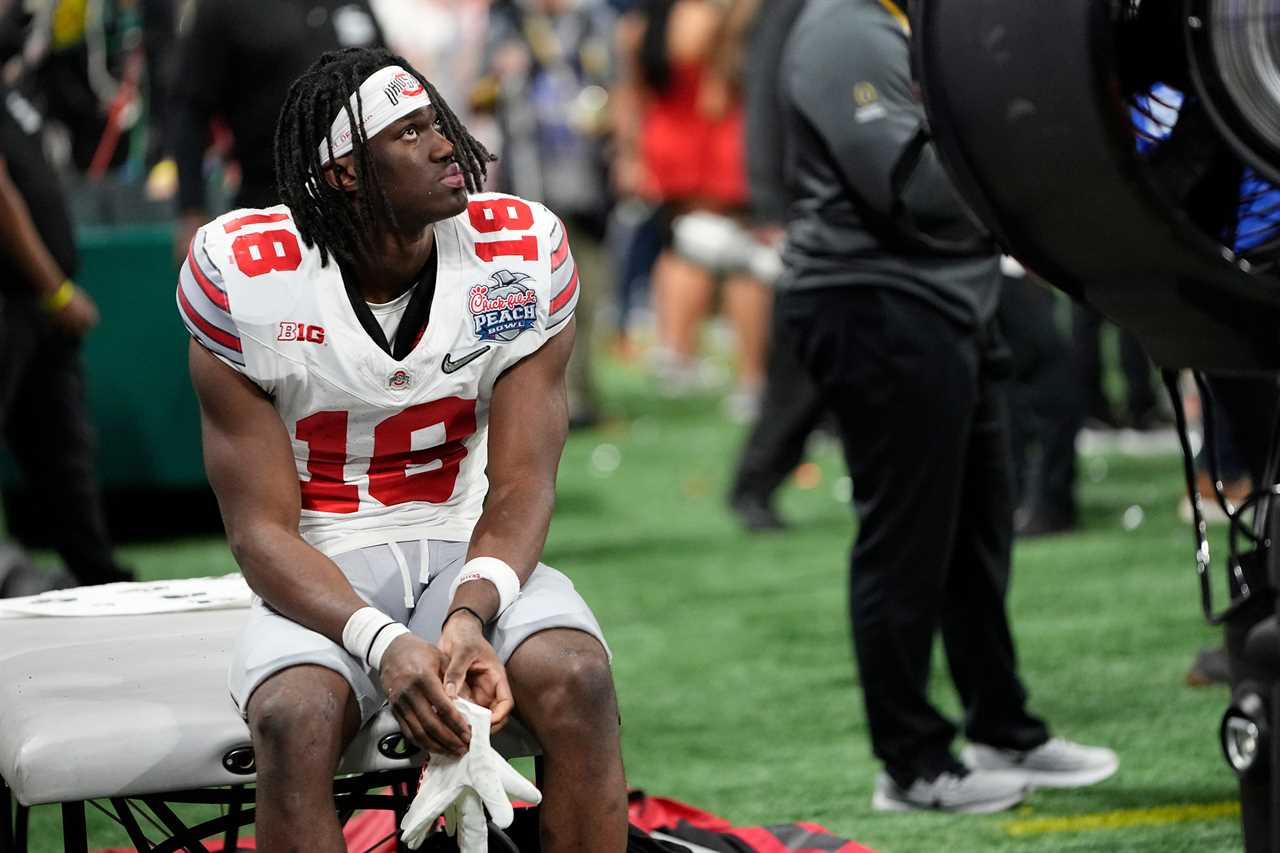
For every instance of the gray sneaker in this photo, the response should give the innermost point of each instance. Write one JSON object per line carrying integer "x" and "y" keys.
{"x": 1057, "y": 763}
{"x": 976, "y": 792}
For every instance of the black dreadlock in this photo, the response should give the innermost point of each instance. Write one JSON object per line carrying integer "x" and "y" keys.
{"x": 329, "y": 218}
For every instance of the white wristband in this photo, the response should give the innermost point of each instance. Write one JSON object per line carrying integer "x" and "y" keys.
{"x": 496, "y": 572}
{"x": 368, "y": 633}
{"x": 382, "y": 642}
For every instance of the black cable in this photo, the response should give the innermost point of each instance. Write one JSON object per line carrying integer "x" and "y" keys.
{"x": 1209, "y": 422}
{"x": 1258, "y": 500}
{"x": 504, "y": 841}
{"x": 1170, "y": 378}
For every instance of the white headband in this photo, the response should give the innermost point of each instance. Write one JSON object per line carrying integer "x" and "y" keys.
{"x": 386, "y": 95}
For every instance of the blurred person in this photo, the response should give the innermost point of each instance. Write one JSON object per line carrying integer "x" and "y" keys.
{"x": 1141, "y": 410}
{"x": 790, "y": 405}
{"x": 159, "y": 42}
{"x": 236, "y": 59}
{"x": 1229, "y": 461}
{"x": 1045, "y": 412}
{"x": 635, "y": 237}
{"x": 390, "y": 353}
{"x": 15, "y": 23}
{"x": 447, "y": 41}
{"x": 890, "y": 293}
{"x": 549, "y": 70}
{"x": 43, "y": 318}
{"x": 73, "y": 71}
{"x": 679, "y": 142}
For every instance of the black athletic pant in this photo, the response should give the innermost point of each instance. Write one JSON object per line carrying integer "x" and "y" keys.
{"x": 42, "y": 414}
{"x": 789, "y": 411}
{"x": 923, "y": 422}
{"x": 1138, "y": 380}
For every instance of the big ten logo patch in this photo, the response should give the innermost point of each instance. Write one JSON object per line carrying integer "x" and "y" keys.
{"x": 502, "y": 310}
{"x": 301, "y": 332}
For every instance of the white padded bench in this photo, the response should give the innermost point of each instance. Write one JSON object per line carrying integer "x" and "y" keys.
{"x": 137, "y": 707}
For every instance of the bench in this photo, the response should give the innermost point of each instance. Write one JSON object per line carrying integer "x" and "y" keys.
{"x": 134, "y": 711}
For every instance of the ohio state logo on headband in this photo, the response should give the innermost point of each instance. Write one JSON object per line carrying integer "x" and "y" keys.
{"x": 405, "y": 85}
{"x": 402, "y": 93}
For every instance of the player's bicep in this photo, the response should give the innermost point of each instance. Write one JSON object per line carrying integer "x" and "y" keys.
{"x": 247, "y": 453}
{"x": 204, "y": 304}
{"x": 529, "y": 413}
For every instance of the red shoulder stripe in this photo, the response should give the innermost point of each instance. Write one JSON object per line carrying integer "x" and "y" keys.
{"x": 566, "y": 295}
{"x": 561, "y": 252}
{"x": 214, "y": 334}
{"x": 216, "y": 295}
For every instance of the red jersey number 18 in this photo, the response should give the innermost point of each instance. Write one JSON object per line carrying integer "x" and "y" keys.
{"x": 503, "y": 214}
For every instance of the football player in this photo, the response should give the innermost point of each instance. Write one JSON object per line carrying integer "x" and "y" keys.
{"x": 380, "y": 363}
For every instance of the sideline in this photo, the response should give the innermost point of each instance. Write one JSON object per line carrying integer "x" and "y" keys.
{"x": 1158, "y": 816}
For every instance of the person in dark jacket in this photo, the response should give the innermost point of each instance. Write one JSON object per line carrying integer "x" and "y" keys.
{"x": 43, "y": 318}
{"x": 889, "y": 299}
{"x": 790, "y": 406}
{"x": 235, "y": 62}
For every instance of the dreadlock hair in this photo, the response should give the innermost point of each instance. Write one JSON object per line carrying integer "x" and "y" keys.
{"x": 337, "y": 222}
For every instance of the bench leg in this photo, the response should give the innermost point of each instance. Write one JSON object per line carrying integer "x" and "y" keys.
{"x": 75, "y": 834}
{"x": 20, "y": 829}
{"x": 130, "y": 823}
{"x": 231, "y": 839}
{"x": 7, "y": 831}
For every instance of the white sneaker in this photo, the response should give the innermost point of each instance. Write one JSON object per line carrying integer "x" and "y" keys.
{"x": 1057, "y": 763}
{"x": 976, "y": 792}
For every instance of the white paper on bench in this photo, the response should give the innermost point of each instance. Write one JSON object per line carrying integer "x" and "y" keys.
{"x": 132, "y": 599}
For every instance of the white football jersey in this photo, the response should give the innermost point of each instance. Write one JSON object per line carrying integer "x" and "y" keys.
{"x": 386, "y": 450}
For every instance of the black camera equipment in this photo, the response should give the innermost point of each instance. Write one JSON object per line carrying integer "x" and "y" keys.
{"x": 1129, "y": 152}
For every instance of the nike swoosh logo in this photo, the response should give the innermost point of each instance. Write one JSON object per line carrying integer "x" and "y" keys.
{"x": 449, "y": 365}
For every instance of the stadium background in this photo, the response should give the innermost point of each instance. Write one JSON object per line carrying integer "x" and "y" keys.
{"x": 733, "y": 661}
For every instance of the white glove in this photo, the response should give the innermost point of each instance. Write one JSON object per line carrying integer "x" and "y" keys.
{"x": 460, "y": 788}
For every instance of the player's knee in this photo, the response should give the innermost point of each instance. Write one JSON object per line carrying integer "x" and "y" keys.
{"x": 578, "y": 695}
{"x": 298, "y": 716}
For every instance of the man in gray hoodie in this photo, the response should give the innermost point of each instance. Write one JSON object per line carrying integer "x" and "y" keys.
{"x": 889, "y": 299}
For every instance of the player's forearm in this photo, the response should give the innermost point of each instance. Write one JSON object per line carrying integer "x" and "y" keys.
{"x": 514, "y": 524}
{"x": 295, "y": 579}
{"x": 21, "y": 241}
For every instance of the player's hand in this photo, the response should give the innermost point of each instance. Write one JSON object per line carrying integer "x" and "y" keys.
{"x": 411, "y": 675}
{"x": 474, "y": 671}
{"x": 78, "y": 317}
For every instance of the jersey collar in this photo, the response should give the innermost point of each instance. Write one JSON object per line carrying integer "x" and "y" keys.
{"x": 416, "y": 314}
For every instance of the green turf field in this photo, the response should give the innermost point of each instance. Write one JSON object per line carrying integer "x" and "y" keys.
{"x": 734, "y": 669}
